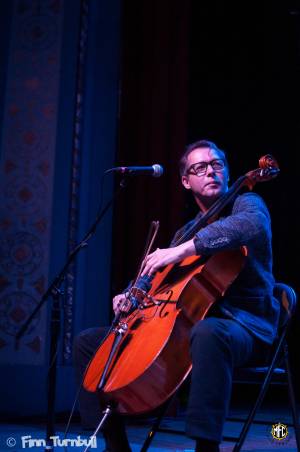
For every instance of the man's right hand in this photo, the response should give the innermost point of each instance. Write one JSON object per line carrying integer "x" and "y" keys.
{"x": 121, "y": 303}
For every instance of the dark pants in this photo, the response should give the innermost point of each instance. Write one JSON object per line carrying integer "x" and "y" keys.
{"x": 85, "y": 345}
{"x": 217, "y": 346}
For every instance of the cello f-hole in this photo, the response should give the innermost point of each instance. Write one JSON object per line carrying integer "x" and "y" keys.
{"x": 165, "y": 303}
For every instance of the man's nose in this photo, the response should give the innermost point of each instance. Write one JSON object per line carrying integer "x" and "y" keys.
{"x": 210, "y": 170}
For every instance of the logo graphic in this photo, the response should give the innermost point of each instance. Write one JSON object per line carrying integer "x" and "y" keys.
{"x": 279, "y": 431}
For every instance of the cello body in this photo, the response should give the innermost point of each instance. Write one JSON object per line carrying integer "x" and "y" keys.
{"x": 152, "y": 359}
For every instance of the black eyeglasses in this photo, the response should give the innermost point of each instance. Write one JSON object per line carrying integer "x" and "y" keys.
{"x": 199, "y": 169}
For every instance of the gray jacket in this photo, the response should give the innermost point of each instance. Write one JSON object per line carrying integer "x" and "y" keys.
{"x": 249, "y": 300}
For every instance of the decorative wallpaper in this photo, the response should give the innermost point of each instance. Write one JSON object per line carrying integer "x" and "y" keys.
{"x": 26, "y": 174}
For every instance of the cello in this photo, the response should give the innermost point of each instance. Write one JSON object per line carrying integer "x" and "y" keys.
{"x": 145, "y": 357}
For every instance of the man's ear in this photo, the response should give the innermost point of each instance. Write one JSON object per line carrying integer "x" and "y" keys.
{"x": 185, "y": 182}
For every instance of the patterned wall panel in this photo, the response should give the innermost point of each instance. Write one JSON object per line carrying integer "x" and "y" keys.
{"x": 26, "y": 174}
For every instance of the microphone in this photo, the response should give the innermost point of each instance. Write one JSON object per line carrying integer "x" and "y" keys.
{"x": 154, "y": 170}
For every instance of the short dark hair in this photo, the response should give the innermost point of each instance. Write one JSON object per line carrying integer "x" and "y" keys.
{"x": 196, "y": 145}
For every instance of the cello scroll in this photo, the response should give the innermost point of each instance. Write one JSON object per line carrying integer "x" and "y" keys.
{"x": 268, "y": 169}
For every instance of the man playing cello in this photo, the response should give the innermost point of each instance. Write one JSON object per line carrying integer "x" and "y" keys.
{"x": 239, "y": 328}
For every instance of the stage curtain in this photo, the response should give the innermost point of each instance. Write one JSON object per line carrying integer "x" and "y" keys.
{"x": 152, "y": 124}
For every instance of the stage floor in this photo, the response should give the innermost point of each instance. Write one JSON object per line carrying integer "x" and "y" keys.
{"x": 259, "y": 438}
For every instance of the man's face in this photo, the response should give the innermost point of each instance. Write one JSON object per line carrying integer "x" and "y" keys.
{"x": 209, "y": 186}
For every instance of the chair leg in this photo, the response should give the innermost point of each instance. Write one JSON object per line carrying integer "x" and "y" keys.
{"x": 292, "y": 398}
{"x": 259, "y": 399}
{"x": 155, "y": 427}
{"x": 250, "y": 417}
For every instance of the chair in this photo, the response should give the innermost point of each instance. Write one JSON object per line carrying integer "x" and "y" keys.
{"x": 279, "y": 365}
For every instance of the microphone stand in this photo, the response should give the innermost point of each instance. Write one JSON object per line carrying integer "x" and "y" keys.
{"x": 55, "y": 292}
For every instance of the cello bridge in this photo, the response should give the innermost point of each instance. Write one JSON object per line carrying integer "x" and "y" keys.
{"x": 143, "y": 299}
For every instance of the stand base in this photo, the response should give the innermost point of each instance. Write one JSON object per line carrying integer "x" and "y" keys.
{"x": 49, "y": 446}
{"x": 106, "y": 413}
